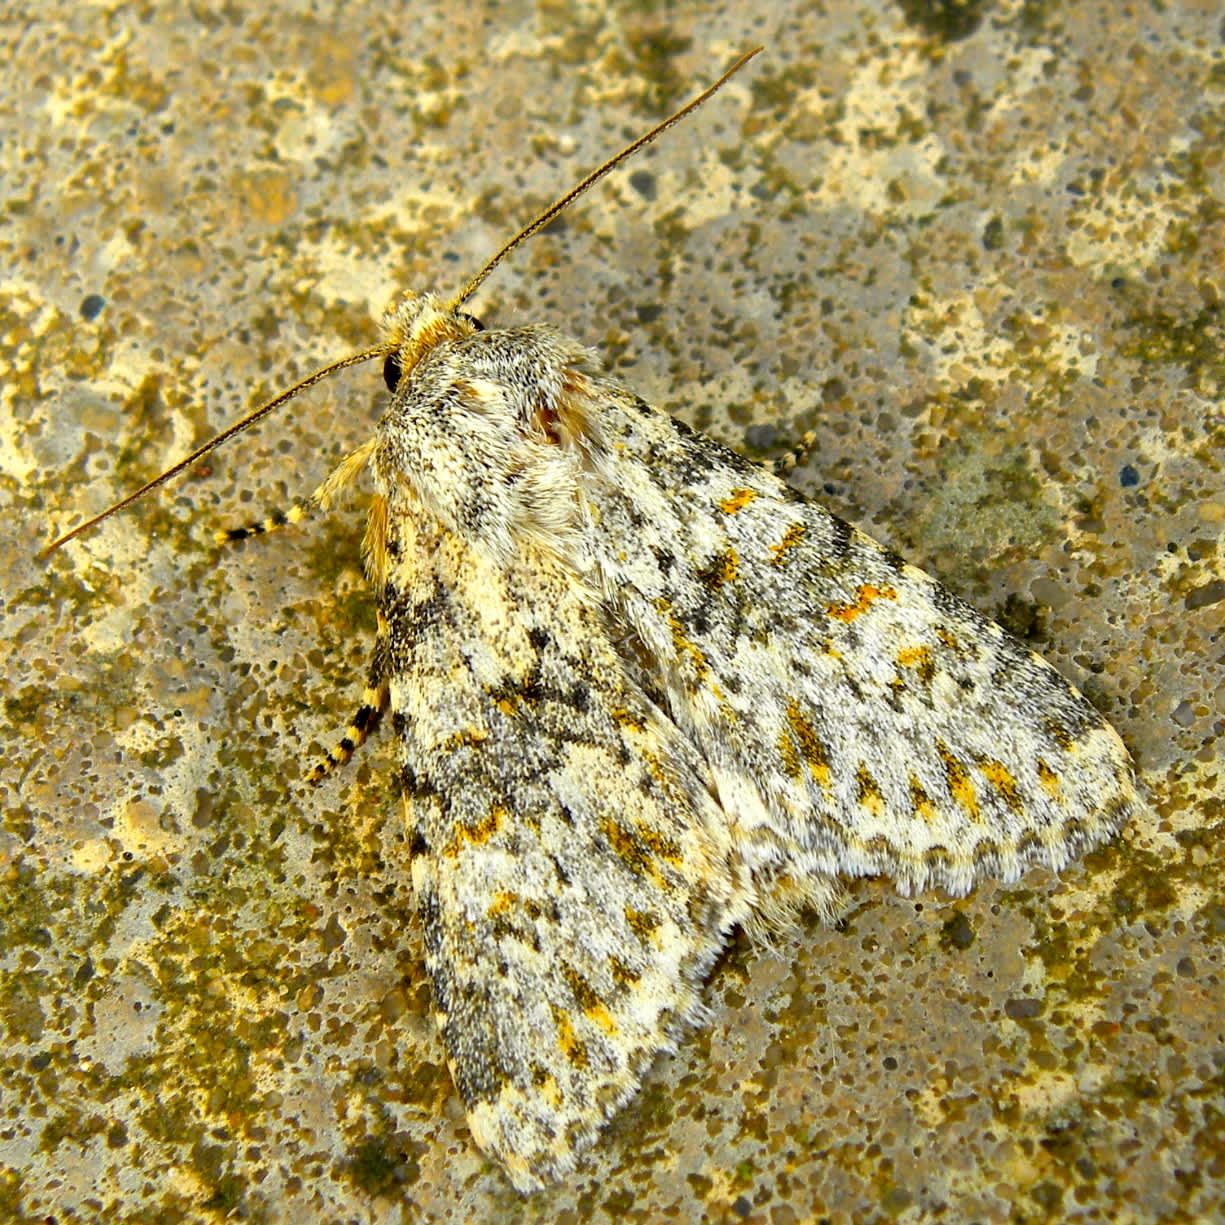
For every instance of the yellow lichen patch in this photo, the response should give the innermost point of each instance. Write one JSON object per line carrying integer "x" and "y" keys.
{"x": 793, "y": 767}
{"x": 867, "y": 791}
{"x": 460, "y": 740}
{"x": 503, "y": 902}
{"x": 476, "y": 834}
{"x": 512, "y": 693}
{"x": 629, "y": 719}
{"x": 1049, "y": 779}
{"x": 737, "y": 500}
{"x": 681, "y": 643}
{"x": 920, "y": 659}
{"x": 623, "y": 974}
{"x": 485, "y": 829}
{"x": 866, "y": 596}
{"x": 1061, "y": 734}
{"x": 546, "y": 1085}
{"x": 584, "y": 994}
{"x": 570, "y": 1044}
{"x": 638, "y": 848}
{"x": 959, "y": 784}
{"x": 809, "y": 744}
{"x": 791, "y": 537}
{"x": 720, "y": 569}
{"x": 625, "y": 845}
{"x": 665, "y": 779}
{"x": 920, "y": 801}
{"x": 643, "y": 923}
{"x": 599, "y": 1015}
{"x": 1001, "y": 778}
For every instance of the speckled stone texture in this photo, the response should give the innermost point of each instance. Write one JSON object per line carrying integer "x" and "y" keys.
{"x": 979, "y": 249}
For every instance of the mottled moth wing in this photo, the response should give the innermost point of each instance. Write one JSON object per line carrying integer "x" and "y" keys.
{"x": 889, "y": 728}
{"x": 643, "y": 691}
{"x": 569, "y": 863}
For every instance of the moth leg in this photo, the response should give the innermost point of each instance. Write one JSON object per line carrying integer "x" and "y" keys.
{"x": 366, "y": 719}
{"x": 789, "y": 461}
{"x": 271, "y": 522}
{"x": 341, "y": 477}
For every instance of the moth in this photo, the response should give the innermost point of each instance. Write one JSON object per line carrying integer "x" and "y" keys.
{"x": 642, "y": 692}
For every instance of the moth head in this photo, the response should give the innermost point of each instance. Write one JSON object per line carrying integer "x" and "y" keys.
{"x": 413, "y": 325}
{"x": 490, "y": 430}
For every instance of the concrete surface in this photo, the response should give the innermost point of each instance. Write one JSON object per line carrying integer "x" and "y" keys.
{"x": 978, "y": 248}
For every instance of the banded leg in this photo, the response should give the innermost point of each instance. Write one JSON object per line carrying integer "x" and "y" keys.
{"x": 271, "y": 522}
{"x": 374, "y": 702}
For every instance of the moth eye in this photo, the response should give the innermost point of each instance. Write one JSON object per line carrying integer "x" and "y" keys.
{"x": 392, "y": 371}
{"x": 472, "y": 319}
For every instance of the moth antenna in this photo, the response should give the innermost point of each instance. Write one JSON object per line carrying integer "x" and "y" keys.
{"x": 237, "y": 428}
{"x": 594, "y": 177}
{"x": 473, "y": 285}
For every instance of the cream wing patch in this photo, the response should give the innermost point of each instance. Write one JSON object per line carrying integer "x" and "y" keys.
{"x": 571, "y": 868}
